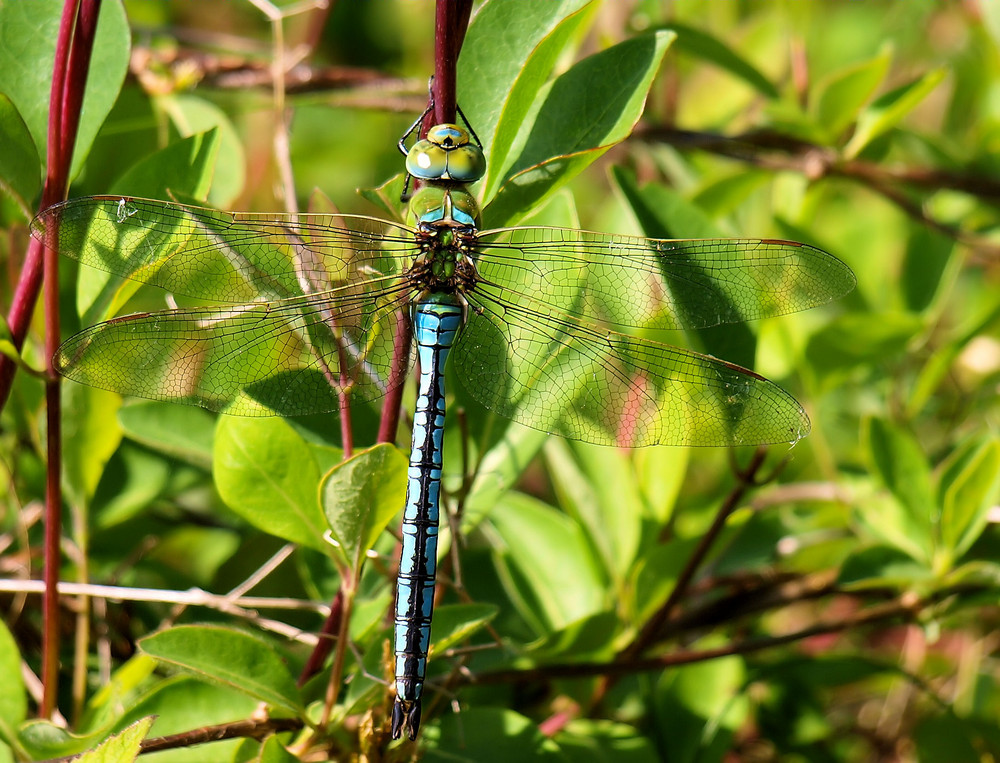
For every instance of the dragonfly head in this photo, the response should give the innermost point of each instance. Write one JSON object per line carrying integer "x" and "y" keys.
{"x": 446, "y": 154}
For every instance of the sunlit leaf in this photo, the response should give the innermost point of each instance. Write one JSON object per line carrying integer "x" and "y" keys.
{"x": 968, "y": 491}
{"x": 267, "y": 474}
{"x": 232, "y": 658}
{"x": 360, "y": 496}
{"x": 20, "y": 167}
{"x": 120, "y": 748}
{"x": 888, "y": 110}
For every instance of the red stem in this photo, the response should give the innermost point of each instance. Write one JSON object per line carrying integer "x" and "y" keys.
{"x": 400, "y": 364}
{"x": 327, "y": 635}
{"x": 69, "y": 74}
{"x": 451, "y": 19}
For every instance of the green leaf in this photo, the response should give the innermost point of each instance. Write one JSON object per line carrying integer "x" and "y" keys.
{"x": 501, "y": 736}
{"x": 726, "y": 195}
{"x": 788, "y": 118}
{"x": 122, "y": 747}
{"x": 183, "y": 702}
{"x": 928, "y": 254}
{"x": 234, "y": 659}
{"x": 587, "y": 740}
{"x": 888, "y": 110}
{"x": 359, "y": 497}
{"x": 702, "y": 45}
{"x": 90, "y": 437}
{"x": 897, "y": 459}
{"x": 273, "y": 751}
{"x": 453, "y": 623}
{"x": 181, "y": 431}
{"x": 656, "y": 571}
{"x": 509, "y": 53}
{"x": 946, "y": 737}
{"x": 184, "y": 168}
{"x": 842, "y": 94}
{"x": 661, "y": 471}
{"x": 703, "y": 704}
{"x": 588, "y": 109}
{"x": 967, "y": 491}
{"x": 549, "y": 567}
{"x": 266, "y": 473}
{"x": 104, "y": 707}
{"x": 857, "y": 340}
{"x": 881, "y": 567}
{"x": 13, "y": 699}
{"x": 192, "y": 116}
{"x": 939, "y": 365}
{"x": 20, "y": 166}
{"x": 199, "y": 551}
{"x": 991, "y": 20}
{"x": 28, "y": 33}
{"x": 132, "y": 480}
{"x": 597, "y": 487}
{"x": 590, "y": 638}
{"x": 885, "y": 517}
{"x": 662, "y": 212}
{"x": 500, "y": 468}
{"x": 385, "y": 197}
{"x": 44, "y": 739}
{"x": 8, "y": 349}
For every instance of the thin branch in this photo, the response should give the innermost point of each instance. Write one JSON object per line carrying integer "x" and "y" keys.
{"x": 775, "y": 151}
{"x": 247, "y": 729}
{"x": 906, "y": 607}
{"x": 392, "y": 404}
{"x": 235, "y": 72}
{"x": 650, "y": 631}
{"x": 252, "y": 729}
{"x": 194, "y": 597}
{"x": 325, "y": 640}
{"x": 778, "y": 152}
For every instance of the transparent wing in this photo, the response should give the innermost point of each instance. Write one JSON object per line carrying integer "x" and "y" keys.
{"x": 224, "y": 257}
{"x": 290, "y": 357}
{"x": 627, "y": 281}
{"x": 557, "y": 375}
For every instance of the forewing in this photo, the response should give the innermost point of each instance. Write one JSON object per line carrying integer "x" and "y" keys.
{"x": 226, "y": 257}
{"x": 627, "y": 281}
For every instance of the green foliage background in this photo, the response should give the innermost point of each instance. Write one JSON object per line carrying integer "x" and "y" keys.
{"x": 866, "y": 128}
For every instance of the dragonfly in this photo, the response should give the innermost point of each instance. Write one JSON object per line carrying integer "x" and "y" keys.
{"x": 558, "y": 329}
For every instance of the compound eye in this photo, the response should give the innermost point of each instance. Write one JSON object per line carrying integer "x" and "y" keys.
{"x": 427, "y": 160}
{"x": 466, "y": 164}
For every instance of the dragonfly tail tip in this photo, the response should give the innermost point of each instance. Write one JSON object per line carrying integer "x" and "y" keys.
{"x": 405, "y": 715}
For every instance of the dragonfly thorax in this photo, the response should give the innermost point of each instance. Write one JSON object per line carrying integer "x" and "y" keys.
{"x": 443, "y": 206}
{"x": 446, "y": 260}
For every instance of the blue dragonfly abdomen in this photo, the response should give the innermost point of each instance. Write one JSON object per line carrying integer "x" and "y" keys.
{"x": 436, "y": 321}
